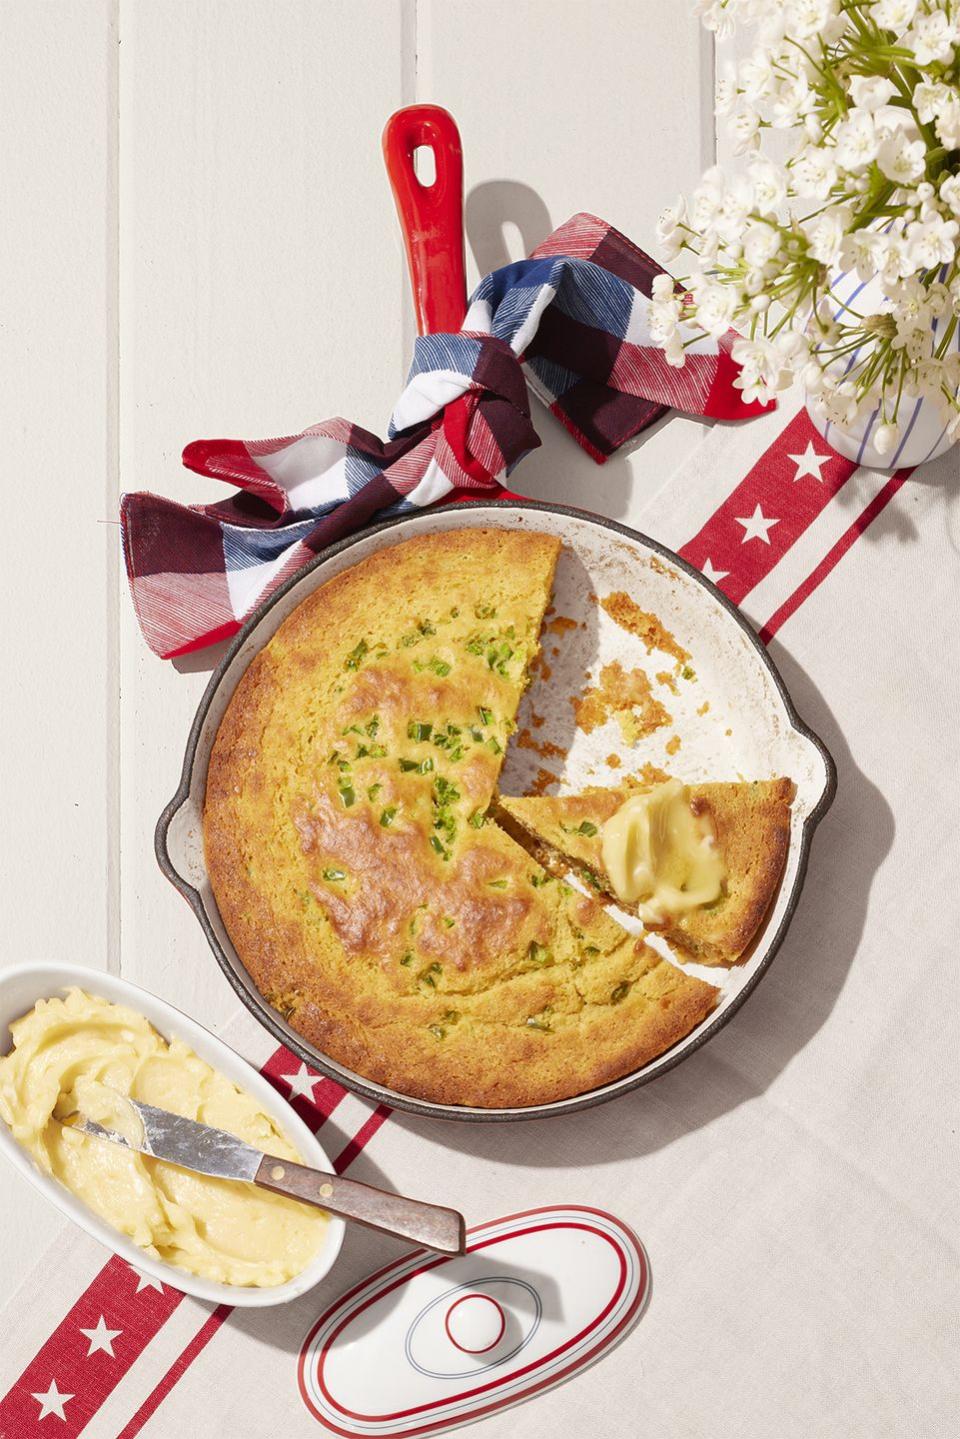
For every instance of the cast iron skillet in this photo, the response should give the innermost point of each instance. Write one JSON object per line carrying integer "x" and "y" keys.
{"x": 180, "y": 853}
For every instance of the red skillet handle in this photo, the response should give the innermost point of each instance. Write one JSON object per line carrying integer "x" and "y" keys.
{"x": 431, "y": 216}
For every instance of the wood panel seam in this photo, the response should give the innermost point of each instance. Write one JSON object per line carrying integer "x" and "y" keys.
{"x": 115, "y": 581}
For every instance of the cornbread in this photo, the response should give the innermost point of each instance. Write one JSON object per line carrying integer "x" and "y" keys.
{"x": 751, "y": 821}
{"x": 625, "y": 695}
{"x": 625, "y": 612}
{"x": 360, "y": 878}
{"x": 82, "y": 1053}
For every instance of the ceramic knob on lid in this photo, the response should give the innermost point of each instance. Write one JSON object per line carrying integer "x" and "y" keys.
{"x": 475, "y": 1323}
{"x": 430, "y": 1342}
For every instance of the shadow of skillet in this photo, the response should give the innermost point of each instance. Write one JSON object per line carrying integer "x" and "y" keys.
{"x": 201, "y": 661}
{"x": 494, "y": 204}
{"x": 561, "y": 471}
{"x": 789, "y": 1006}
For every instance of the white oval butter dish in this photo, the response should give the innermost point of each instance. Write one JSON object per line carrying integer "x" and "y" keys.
{"x": 430, "y": 1343}
{"x": 21, "y": 987}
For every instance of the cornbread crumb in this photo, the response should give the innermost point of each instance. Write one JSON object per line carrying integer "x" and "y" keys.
{"x": 539, "y": 666}
{"x": 613, "y": 760}
{"x": 673, "y": 744}
{"x": 657, "y": 564}
{"x": 664, "y": 677}
{"x": 751, "y": 820}
{"x": 653, "y": 774}
{"x": 655, "y": 636}
{"x": 546, "y": 748}
{"x": 704, "y": 707}
{"x": 626, "y": 695}
{"x": 542, "y": 781}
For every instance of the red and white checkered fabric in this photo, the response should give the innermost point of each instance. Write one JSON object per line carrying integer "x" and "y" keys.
{"x": 572, "y": 318}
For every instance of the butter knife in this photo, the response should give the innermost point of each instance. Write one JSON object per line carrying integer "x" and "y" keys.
{"x": 215, "y": 1152}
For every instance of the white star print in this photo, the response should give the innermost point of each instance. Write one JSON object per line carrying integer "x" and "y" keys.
{"x": 300, "y": 1084}
{"x": 714, "y": 575}
{"x": 146, "y": 1281}
{"x": 809, "y": 463}
{"x": 756, "y": 527}
{"x": 52, "y": 1402}
{"x": 101, "y": 1338}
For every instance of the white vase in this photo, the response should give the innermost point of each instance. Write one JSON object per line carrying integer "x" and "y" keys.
{"x": 923, "y": 427}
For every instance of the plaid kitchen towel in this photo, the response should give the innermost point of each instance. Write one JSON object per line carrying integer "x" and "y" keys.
{"x": 574, "y": 314}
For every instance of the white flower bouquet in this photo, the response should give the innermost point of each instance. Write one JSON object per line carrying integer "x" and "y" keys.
{"x": 870, "y": 191}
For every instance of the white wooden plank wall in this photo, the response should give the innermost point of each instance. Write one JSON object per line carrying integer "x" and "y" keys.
{"x": 589, "y": 107}
{"x": 259, "y": 286}
{"x": 58, "y": 376}
{"x": 198, "y": 239}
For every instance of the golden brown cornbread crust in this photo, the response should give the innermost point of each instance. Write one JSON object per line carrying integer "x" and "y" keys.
{"x": 498, "y": 1063}
{"x": 396, "y": 928}
{"x": 752, "y": 823}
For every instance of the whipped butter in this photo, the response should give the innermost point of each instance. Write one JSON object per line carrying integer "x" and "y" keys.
{"x": 660, "y": 856}
{"x": 84, "y": 1055}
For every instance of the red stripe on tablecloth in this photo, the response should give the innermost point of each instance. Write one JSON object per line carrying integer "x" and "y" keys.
{"x": 833, "y": 556}
{"x": 64, "y": 1361}
{"x": 176, "y": 1371}
{"x": 327, "y": 1093}
{"x": 774, "y": 485}
{"x": 362, "y": 1137}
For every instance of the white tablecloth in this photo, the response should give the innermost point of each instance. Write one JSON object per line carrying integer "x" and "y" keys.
{"x": 795, "y": 1182}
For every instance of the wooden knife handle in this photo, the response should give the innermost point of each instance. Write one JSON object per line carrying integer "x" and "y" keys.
{"x": 429, "y": 1225}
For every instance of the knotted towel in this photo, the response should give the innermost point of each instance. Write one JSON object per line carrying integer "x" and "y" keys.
{"x": 572, "y": 318}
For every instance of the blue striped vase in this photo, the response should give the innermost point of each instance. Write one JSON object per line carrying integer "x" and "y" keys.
{"x": 923, "y": 426}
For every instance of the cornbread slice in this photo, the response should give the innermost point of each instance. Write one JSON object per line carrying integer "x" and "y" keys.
{"x": 752, "y": 823}
{"x": 355, "y": 867}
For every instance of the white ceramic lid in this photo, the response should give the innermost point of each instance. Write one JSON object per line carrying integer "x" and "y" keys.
{"x": 429, "y": 1343}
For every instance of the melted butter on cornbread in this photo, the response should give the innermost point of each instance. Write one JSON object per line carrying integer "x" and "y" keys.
{"x": 751, "y": 822}
{"x": 661, "y": 855}
{"x": 82, "y": 1053}
{"x": 357, "y": 869}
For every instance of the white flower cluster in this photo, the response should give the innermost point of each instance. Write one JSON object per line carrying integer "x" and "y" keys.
{"x": 871, "y": 89}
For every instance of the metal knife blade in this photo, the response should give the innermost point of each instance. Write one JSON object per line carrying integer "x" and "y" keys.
{"x": 184, "y": 1142}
